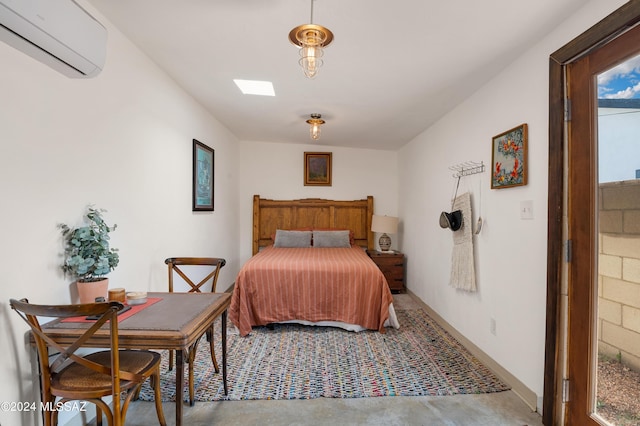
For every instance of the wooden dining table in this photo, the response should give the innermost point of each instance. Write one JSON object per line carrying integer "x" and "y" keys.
{"x": 170, "y": 321}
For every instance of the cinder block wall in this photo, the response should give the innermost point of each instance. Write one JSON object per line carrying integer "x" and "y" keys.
{"x": 619, "y": 271}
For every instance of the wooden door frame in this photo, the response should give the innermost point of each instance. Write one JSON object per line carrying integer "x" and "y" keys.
{"x": 607, "y": 29}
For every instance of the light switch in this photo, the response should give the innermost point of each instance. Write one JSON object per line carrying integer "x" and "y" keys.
{"x": 526, "y": 209}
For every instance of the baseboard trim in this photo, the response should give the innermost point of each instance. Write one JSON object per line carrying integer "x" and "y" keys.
{"x": 527, "y": 395}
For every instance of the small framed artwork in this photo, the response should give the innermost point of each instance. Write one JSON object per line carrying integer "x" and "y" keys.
{"x": 317, "y": 168}
{"x": 509, "y": 158}
{"x": 202, "y": 177}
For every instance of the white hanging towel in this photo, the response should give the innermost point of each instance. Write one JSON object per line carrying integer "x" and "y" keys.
{"x": 463, "y": 274}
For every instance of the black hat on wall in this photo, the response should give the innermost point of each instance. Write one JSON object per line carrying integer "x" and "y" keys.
{"x": 451, "y": 220}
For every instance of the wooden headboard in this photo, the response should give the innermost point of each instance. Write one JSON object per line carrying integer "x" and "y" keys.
{"x": 269, "y": 215}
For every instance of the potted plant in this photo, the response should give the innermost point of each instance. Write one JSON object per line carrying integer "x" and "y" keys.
{"x": 88, "y": 256}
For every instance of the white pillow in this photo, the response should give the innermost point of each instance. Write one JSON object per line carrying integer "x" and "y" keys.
{"x": 339, "y": 239}
{"x": 291, "y": 239}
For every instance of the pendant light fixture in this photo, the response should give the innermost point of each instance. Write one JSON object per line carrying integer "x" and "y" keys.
{"x": 315, "y": 122}
{"x": 312, "y": 39}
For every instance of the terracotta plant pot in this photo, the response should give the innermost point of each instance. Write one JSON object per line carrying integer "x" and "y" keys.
{"x": 88, "y": 291}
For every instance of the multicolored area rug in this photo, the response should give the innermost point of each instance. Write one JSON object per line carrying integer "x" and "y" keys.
{"x": 302, "y": 362}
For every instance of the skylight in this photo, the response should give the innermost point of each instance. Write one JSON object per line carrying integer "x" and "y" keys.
{"x": 254, "y": 87}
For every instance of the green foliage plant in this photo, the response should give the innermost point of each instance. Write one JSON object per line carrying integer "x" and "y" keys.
{"x": 88, "y": 256}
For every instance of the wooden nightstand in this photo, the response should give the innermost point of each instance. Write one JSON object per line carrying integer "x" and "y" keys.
{"x": 392, "y": 266}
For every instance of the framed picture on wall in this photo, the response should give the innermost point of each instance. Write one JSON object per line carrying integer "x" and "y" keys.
{"x": 509, "y": 158}
{"x": 317, "y": 168}
{"x": 202, "y": 177}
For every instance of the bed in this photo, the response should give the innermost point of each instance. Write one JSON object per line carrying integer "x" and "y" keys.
{"x": 322, "y": 284}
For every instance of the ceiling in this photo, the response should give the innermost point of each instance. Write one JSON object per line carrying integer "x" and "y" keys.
{"x": 393, "y": 69}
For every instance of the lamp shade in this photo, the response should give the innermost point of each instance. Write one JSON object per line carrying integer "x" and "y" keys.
{"x": 384, "y": 224}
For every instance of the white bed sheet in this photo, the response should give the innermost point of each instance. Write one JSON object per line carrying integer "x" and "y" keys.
{"x": 392, "y": 321}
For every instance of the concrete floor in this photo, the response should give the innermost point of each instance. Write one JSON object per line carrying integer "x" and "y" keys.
{"x": 497, "y": 409}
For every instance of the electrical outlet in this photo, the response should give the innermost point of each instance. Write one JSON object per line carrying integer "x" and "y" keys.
{"x": 492, "y": 326}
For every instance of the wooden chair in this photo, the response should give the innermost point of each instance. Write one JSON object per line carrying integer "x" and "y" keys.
{"x": 212, "y": 265}
{"x": 70, "y": 377}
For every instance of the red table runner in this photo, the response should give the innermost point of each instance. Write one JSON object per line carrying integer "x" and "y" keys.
{"x": 134, "y": 310}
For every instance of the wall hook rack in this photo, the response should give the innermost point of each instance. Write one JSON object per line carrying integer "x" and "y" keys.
{"x": 467, "y": 168}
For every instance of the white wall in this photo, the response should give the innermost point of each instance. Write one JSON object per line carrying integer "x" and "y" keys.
{"x": 510, "y": 252}
{"x": 618, "y": 147}
{"x": 276, "y": 171}
{"x": 123, "y": 141}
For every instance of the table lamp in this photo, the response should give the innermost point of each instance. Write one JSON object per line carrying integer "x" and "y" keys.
{"x": 386, "y": 225}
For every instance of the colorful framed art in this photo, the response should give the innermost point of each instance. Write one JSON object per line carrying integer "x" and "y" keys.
{"x": 509, "y": 158}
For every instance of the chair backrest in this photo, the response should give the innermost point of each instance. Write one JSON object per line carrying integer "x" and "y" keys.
{"x": 212, "y": 265}
{"x": 67, "y": 352}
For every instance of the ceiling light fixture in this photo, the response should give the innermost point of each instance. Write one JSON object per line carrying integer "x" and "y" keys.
{"x": 315, "y": 122}
{"x": 312, "y": 39}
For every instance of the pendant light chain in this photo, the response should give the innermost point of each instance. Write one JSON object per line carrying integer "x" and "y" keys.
{"x": 311, "y": 17}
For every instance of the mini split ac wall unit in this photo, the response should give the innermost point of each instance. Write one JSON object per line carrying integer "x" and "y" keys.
{"x": 58, "y": 33}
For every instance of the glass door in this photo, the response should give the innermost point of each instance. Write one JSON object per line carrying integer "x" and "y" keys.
{"x": 617, "y": 390}
{"x": 604, "y": 230}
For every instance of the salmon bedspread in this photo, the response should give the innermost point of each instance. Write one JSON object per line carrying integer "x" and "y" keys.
{"x": 310, "y": 284}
